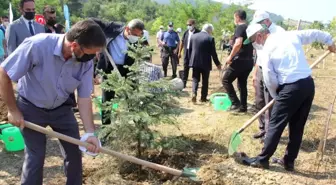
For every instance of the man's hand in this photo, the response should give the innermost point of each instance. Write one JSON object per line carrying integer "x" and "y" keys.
{"x": 219, "y": 67}
{"x": 94, "y": 144}
{"x": 332, "y": 48}
{"x": 16, "y": 118}
{"x": 254, "y": 80}
{"x": 179, "y": 55}
{"x": 97, "y": 80}
{"x": 228, "y": 60}
{"x": 175, "y": 51}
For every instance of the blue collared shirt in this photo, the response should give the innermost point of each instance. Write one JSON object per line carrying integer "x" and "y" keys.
{"x": 171, "y": 38}
{"x": 45, "y": 78}
{"x": 118, "y": 49}
{"x": 284, "y": 59}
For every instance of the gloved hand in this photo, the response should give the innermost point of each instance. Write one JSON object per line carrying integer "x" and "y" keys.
{"x": 84, "y": 139}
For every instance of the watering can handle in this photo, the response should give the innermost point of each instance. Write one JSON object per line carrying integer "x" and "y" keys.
{"x": 132, "y": 159}
{"x": 250, "y": 121}
{"x": 217, "y": 94}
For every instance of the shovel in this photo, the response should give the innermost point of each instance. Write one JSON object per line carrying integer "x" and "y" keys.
{"x": 236, "y": 140}
{"x": 186, "y": 172}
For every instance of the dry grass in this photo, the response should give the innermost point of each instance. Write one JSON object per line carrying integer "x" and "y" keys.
{"x": 210, "y": 131}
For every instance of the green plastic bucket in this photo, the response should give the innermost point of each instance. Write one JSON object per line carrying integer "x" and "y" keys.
{"x": 12, "y": 138}
{"x": 99, "y": 99}
{"x": 220, "y": 101}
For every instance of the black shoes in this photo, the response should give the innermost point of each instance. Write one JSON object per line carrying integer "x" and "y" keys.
{"x": 193, "y": 99}
{"x": 259, "y": 135}
{"x": 289, "y": 166}
{"x": 255, "y": 162}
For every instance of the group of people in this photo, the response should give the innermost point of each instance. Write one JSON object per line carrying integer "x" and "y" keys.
{"x": 49, "y": 67}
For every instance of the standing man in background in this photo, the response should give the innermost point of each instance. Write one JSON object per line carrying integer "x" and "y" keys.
{"x": 49, "y": 14}
{"x": 158, "y": 37}
{"x": 23, "y": 27}
{"x": 191, "y": 25}
{"x": 262, "y": 96}
{"x": 3, "y": 49}
{"x": 240, "y": 64}
{"x": 4, "y": 23}
{"x": 170, "y": 41}
{"x": 202, "y": 51}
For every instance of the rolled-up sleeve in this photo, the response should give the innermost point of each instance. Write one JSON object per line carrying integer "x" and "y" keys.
{"x": 312, "y": 35}
{"x": 270, "y": 76}
{"x": 85, "y": 87}
{"x": 20, "y": 61}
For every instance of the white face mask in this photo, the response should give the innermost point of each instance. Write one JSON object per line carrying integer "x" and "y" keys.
{"x": 6, "y": 24}
{"x": 170, "y": 28}
{"x": 132, "y": 39}
{"x": 190, "y": 28}
{"x": 257, "y": 46}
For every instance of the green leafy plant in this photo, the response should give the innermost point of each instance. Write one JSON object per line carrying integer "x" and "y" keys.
{"x": 141, "y": 104}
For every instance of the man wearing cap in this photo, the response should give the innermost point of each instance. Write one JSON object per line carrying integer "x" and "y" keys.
{"x": 158, "y": 36}
{"x": 239, "y": 64}
{"x": 262, "y": 96}
{"x": 170, "y": 41}
{"x": 287, "y": 77}
{"x": 185, "y": 44}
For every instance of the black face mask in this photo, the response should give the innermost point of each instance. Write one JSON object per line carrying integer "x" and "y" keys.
{"x": 84, "y": 58}
{"x": 51, "y": 22}
{"x": 29, "y": 15}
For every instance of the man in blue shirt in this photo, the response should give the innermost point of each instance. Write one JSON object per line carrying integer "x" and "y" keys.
{"x": 170, "y": 41}
{"x": 48, "y": 67}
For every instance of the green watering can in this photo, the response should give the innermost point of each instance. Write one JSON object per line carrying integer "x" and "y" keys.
{"x": 12, "y": 138}
{"x": 99, "y": 98}
{"x": 220, "y": 101}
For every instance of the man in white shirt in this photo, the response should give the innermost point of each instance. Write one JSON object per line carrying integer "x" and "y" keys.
{"x": 159, "y": 35}
{"x": 262, "y": 96}
{"x": 287, "y": 76}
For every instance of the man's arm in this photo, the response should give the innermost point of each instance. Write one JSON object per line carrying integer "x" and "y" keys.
{"x": 84, "y": 100}
{"x": 181, "y": 44}
{"x": 236, "y": 47}
{"x": 13, "y": 68}
{"x": 313, "y": 35}
{"x": 214, "y": 52}
{"x": 270, "y": 77}
{"x": 11, "y": 38}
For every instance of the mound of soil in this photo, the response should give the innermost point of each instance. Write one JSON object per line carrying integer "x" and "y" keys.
{"x": 3, "y": 111}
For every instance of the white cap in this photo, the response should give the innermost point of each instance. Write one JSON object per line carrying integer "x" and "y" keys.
{"x": 251, "y": 30}
{"x": 179, "y": 30}
{"x": 161, "y": 27}
{"x": 260, "y": 15}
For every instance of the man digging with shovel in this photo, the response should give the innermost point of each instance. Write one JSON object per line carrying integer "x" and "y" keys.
{"x": 287, "y": 76}
{"x": 48, "y": 68}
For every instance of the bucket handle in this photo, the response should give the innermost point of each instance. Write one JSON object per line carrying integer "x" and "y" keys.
{"x": 217, "y": 94}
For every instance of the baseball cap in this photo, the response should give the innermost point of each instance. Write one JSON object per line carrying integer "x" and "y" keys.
{"x": 253, "y": 29}
{"x": 170, "y": 24}
{"x": 179, "y": 30}
{"x": 259, "y": 16}
{"x": 161, "y": 27}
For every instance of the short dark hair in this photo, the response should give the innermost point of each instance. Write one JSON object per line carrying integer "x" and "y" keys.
{"x": 192, "y": 21}
{"x": 87, "y": 34}
{"x": 241, "y": 14}
{"x": 48, "y": 8}
{"x": 4, "y": 17}
{"x": 24, "y": 1}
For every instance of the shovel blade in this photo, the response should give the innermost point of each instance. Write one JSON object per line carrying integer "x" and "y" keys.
{"x": 191, "y": 173}
{"x": 235, "y": 141}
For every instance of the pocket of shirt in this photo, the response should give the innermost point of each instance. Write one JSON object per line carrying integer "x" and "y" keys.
{"x": 70, "y": 84}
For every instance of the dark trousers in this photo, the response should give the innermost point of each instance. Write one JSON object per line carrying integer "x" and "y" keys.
{"x": 292, "y": 106}
{"x": 109, "y": 95}
{"x": 61, "y": 120}
{"x": 231, "y": 75}
{"x": 168, "y": 52}
{"x": 186, "y": 67}
{"x": 262, "y": 98}
{"x": 196, "y": 75}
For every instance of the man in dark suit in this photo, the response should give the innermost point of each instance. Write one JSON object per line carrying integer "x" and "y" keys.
{"x": 185, "y": 44}
{"x": 117, "y": 36}
{"x": 23, "y": 27}
{"x": 202, "y": 49}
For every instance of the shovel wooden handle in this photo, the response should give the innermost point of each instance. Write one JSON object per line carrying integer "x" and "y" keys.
{"x": 111, "y": 61}
{"x": 256, "y": 116}
{"x": 132, "y": 159}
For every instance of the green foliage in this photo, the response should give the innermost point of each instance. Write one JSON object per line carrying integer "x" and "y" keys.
{"x": 141, "y": 104}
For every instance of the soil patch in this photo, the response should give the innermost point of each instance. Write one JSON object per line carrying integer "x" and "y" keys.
{"x": 3, "y": 111}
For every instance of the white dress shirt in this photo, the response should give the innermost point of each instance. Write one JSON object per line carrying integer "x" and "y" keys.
{"x": 284, "y": 59}
{"x": 27, "y": 23}
{"x": 190, "y": 34}
{"x": 118, "y": 49}
{"x": 272, "y": 29}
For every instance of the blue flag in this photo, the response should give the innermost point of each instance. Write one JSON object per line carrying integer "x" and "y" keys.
{"x": 66, "y": 17}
